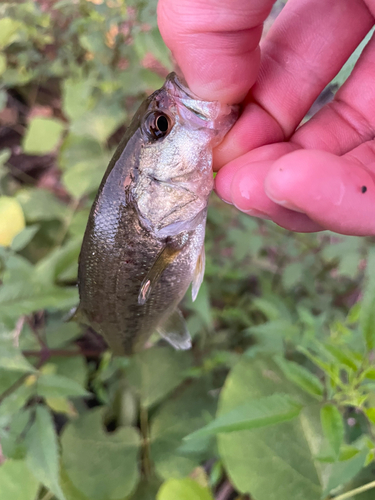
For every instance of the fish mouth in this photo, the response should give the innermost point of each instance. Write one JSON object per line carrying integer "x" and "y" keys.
{"x": 205, "y": 114}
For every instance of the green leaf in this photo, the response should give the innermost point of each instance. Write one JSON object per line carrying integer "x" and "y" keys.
{"x": 12, "y": 403}
{"x": 175, "y": 418}
{"x": 3, "y": 63}
{"x": 84, "y": 177}
{"x": 367, "y": 315}
{"x": 76, "y": 97}
{"x": 42, "y": 451}
{"x": 154, "y": 373}
{"x": 60, "y": 334}
{"x": 79, "y": 149}
{"x": 201, "y": 305}
{"x": 59, "y": 260}
{"x": 333, "y": 427}
{"x": 8, "y": 31}
{"x": 100, "y": 122}
{"x": 262, "y": 412}
{"x": 302, "y": 377}
{"x": 342, "y": 355}
{"x": 292, "y": 274}
{"x": 74, "y": 368}
{"x": 370, "y": 413}
{"x": 99, "y": 465}
{"x": 39, "y": 204}
{"x": 12, "y": 442}
{"x": 12, "y": 220}
{"x": 42, "y": 135}
{"x": 54, "y": 386}
{"x": 24, "y": 237}
{"x": 343, "y": 472}
{"x": 276, "y": 462}
{"x": 17, "y": 482}
{"x": 183, "y": 489}
{"x": 12, "y": 359}
{"x": 16, "y": 300}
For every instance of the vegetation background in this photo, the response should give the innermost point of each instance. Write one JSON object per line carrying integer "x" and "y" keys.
{"x": 275, "y": 400}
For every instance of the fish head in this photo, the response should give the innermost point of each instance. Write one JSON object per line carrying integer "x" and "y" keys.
{"x": 174, "y": 180}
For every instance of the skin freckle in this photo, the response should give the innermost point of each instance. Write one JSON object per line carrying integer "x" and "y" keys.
{"x": 363, "y": 189}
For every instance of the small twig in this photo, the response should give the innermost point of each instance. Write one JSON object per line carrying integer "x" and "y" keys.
{"x": 225, "y": 491}
{"x": 46, "y": 353}
{"x": 351, "y": 493}
{"x": 17, "y": 331}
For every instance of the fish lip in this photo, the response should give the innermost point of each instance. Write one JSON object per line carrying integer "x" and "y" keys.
{"x": 212, "y": 115}
{"x": 172, "y": 81}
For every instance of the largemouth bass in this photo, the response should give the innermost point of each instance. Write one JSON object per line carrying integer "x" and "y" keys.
{"x": 144, "y": 241}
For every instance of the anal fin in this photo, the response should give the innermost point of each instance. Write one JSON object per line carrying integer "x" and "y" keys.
{"x": 174, "y": 330}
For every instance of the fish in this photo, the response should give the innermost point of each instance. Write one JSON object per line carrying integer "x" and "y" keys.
{"x": 144, "y": 241}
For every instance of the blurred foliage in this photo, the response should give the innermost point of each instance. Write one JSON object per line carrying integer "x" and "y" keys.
{"x": 278, "y": 392}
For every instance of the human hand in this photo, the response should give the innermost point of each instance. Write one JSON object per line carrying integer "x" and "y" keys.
{"x": 321, "y": 175}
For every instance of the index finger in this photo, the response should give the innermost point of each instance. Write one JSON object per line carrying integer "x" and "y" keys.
{"x": 215, "y": 43}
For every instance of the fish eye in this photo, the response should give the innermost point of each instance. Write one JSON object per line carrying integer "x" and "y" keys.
{"x": 158, "y": 125}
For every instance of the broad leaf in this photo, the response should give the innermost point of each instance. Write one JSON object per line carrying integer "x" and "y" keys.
{"x": 185, "y": 413}
{"x": 42, "y": 451}
{"x": 344, "y": 471}
{"x": 183, "y": 489}
{"x": 42, "y": 136}
{"x": 39, "y": 204}
{"x": 99, "y": 465}
{"x": 24, "y": 237}
{"x": 17, "y": 482}
{"x": 273, "y": 463}
{"x": 262, "y": 412}
{"x": 154, "y": 373}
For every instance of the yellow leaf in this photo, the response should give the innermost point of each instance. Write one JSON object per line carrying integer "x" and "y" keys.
{"x": 62, "y": 405}
{"x": 12, "y": 220}
{"x": 31, "y": 380}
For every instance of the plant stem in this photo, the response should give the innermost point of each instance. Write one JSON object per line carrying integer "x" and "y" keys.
{"x": 146, "y": 448}
{"x": 92, "y": 353}
{"x": 225, "y": 491}
{"x": 350, "y": 493}
{"x": 48, "y": 496}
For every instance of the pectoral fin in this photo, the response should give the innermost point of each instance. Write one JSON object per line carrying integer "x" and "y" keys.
{"x": 175, "y": 331}
{"x": 198, "y": 274}
{"x": 164, "y": 259}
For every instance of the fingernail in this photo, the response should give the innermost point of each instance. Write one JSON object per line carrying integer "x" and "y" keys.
{"x": 283, "y": 203}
